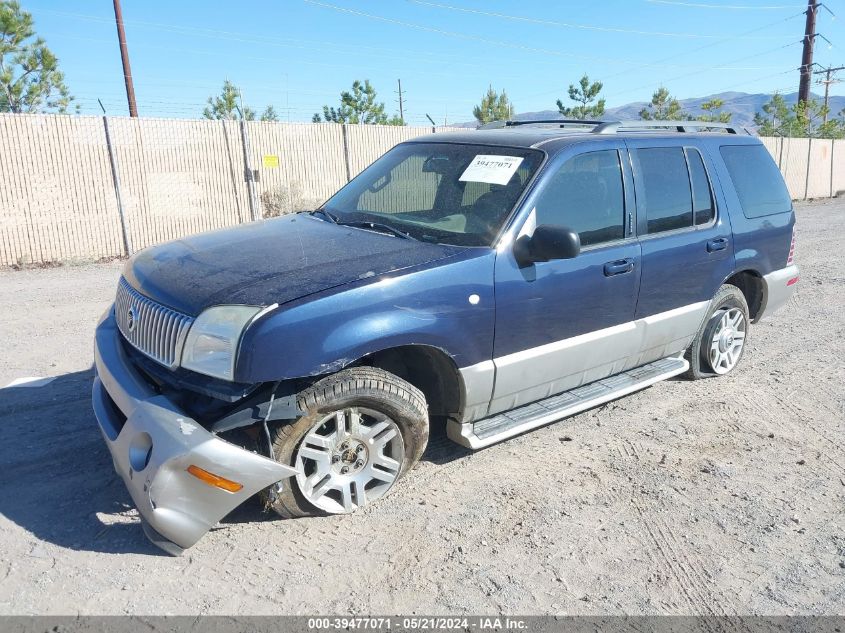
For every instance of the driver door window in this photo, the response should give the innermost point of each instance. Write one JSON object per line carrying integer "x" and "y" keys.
{"x": 587, "y": 196}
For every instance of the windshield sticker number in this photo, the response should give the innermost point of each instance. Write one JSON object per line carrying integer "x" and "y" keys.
{"x": 495, "y": 170}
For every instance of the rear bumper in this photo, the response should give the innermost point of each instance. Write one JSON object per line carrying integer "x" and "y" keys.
{"x": 152, "y": 444}
{"x": 778, "y": 287}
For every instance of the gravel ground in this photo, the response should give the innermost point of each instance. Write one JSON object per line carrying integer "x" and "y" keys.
{"x": 723, "y": 496}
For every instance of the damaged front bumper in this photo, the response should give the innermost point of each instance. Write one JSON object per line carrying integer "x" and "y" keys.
{"x": 153, "y": 444}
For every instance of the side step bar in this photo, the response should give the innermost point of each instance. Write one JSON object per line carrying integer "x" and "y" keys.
{"x": 530, "y": 416}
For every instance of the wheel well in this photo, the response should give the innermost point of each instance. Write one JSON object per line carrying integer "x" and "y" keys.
{"x": 430, "y": 370}
{"x": 751, "y": 285}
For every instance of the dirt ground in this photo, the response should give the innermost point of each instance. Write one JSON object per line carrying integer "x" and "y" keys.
{"x": 723, "y": 496}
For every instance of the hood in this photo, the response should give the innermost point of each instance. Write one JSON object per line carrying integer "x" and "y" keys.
{"x": 272, "y": 261}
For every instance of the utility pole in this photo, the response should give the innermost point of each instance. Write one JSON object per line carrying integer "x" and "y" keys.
{"x": 827, "y": 81}
{"x": 807, "y": 55}
{"x": 124, "y": 57}
{"x": 401, "y": 102}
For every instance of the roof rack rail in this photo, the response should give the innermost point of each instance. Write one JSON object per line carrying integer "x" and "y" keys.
{"x": 495, "y": 125}
{"x": 612, "y": 127}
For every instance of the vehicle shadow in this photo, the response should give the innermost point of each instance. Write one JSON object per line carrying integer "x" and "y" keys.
{"x": 58, "y": 481}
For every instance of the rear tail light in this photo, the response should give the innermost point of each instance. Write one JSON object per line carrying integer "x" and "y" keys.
{"x": 791, "y": 256}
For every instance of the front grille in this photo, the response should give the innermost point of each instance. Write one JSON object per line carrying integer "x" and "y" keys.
{"x": 151, "y": 328}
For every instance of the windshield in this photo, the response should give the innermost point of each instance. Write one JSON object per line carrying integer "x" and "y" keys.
{"x": 439, "y": 192}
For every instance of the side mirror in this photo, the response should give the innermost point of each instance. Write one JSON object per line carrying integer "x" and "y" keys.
{"x": 548, "y": 242}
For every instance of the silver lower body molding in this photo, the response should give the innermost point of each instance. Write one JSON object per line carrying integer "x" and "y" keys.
{"x": 531, "y": 416}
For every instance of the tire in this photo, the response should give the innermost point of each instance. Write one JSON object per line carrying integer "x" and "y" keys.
{"x": 381, "y": 417}
{"x": 727, "y": 320}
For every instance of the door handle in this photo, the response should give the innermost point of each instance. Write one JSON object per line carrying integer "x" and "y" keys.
{"x": 719, "y": 244}
{"x": 619, "y": 267}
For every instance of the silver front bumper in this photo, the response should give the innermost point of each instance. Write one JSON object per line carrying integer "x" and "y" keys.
{"x": 153, "y": 443}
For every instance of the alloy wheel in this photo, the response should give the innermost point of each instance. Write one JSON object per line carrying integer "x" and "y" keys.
{"x": 728, "y": 328}
{"x": 348, "y": 459}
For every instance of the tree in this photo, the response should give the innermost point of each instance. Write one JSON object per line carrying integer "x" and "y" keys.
{"x": 775, "y": 120}
{"x": 358, "y": 106}
{"x": 805, "y": 118}
{"x": 225, "y": 106}
{"x": 30, "y": 79}
{"x": 585, "y": 95}
{"x": 808, "y": 115}
{"x": 493, "y": 107}
{"x": 663, "y": 107}
{"x": 269, "y": 114}
{"x": 713, "y": 112}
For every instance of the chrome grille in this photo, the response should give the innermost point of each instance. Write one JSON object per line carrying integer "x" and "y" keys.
{"x": 151, "y": 328}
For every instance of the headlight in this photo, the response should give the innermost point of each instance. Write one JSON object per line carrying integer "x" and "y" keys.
{"x": 212, "y": 342}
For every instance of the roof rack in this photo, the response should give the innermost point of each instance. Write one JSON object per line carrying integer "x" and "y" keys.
{"x": 494, "y": 125}
{"x": 612, "y": 127}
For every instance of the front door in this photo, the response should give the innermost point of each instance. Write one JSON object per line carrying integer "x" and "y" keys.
{"x": 562, "y": 323}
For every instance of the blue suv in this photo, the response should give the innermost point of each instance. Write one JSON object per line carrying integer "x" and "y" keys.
{"x": 491, "y": 281}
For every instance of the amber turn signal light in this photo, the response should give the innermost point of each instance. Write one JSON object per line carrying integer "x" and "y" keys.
{"x": 214, "y": 480}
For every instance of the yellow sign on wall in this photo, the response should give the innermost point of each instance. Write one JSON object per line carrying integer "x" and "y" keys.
{"x": 271, "y": 161}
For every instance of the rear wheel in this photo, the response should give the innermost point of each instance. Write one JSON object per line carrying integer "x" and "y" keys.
{"x": 721, "y": 339}
{"x": 363, "y": 429}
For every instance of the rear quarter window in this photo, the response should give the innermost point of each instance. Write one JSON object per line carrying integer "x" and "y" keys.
{"x": 757, "y": 180}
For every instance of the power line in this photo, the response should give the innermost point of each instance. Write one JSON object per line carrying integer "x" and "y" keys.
{"x": 734, "y": 7}
{"x": 467, "y": 36}
{"x": 660, "y": 62}
{"x": 684, "y": 76}
{"x": 277, "y": 42}
{"x": 572, "y": 25}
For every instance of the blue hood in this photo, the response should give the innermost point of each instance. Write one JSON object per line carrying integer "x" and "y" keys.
{"x": 273, "y": 261}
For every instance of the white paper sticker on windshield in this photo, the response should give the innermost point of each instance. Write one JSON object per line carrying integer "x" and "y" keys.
{"x": 496, "y": 170}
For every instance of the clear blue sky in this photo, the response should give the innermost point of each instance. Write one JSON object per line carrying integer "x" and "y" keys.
{"x": 299, "y": 54}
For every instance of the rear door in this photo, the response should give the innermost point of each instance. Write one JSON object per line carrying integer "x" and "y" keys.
{"x": 685, "y": 235}
{"x": 562, "y": 323}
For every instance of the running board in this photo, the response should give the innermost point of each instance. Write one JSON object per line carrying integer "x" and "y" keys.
{"x": 530, "y": 416}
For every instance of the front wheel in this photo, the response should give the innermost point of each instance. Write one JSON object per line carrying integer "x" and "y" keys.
{"x": 362, "y": 430}
{"x": 722, "y": 337}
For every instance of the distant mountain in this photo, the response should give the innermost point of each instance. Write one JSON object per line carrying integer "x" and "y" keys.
{"x": 742, "y": 104}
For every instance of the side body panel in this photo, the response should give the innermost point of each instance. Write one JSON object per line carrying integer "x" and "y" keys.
{"x": 449, "y": 306}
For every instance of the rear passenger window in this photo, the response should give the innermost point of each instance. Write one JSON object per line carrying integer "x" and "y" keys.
{"x": 757, "y": 180}
{"x": 587, "y": 196}
{"x": 702, "y": 195}
{"x": 667, "y": 188}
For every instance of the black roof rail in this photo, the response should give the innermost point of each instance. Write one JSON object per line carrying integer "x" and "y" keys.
{"x": 495, "y": 125}
{"x": 612, "y": 127}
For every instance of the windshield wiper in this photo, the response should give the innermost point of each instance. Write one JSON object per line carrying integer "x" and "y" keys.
{"x": 377, "y": 226}
{"x": 331, "y": 216}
